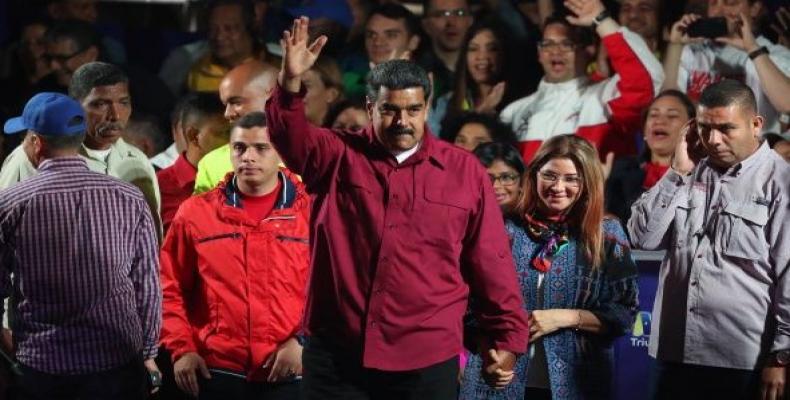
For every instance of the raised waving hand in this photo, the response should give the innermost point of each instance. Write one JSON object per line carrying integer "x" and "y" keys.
{"x": 298, "y": 56}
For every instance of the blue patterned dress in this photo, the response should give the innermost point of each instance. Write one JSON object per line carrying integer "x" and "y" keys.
{"x": 579, "y": 363}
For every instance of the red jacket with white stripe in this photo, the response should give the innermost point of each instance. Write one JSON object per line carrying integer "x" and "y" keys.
{"x": 607, "y": 113}
{"x": 234, "y": 288}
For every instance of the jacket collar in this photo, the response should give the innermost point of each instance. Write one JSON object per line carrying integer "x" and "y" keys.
{"x": 285, "y": 200}
{"x": 429, "y": 149}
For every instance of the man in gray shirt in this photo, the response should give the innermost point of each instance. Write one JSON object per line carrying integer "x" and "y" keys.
{"x": 722, "y": 310}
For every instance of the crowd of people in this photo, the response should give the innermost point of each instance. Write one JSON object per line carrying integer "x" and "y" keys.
{"x": 384, "y": 200}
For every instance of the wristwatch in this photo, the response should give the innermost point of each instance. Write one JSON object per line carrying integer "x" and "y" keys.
{"x": 782, "y": 357}
{"x": 600, "y": 17}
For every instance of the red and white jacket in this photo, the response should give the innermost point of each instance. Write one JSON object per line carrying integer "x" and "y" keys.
{"x": 607, "y": 113}
{"x": 234, "y": 288}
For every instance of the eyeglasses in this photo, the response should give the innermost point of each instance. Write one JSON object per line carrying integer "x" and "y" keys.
{"x": 60, "y": 58}
{"x": 569, "y": 180}
{"x": 505, "y": 179}
{"x": 460, "y": 12}
{"x": 564, "y": 46}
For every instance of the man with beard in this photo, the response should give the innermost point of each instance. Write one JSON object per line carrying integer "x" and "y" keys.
{"x": 607, "y": 113}
{"x": 103, "y": 91}
{"x": 405, "y": 226}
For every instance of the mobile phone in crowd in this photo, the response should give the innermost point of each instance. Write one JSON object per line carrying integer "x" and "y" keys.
{"x": 710, "y": 28}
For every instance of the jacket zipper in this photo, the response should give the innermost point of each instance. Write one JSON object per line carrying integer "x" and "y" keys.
{"x": 234, "y": 235}
{"x": 293, "y": 239}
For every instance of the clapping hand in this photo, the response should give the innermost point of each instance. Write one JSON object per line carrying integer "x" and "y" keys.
{"x": 298, "y": 56}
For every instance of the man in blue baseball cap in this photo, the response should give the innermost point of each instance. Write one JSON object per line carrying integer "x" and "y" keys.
{"x": 84, "y": 248}
{"x": 55, "y": 123}
{"x": 102, "y": 90}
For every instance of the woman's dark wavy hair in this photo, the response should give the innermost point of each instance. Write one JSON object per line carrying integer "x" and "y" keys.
{"x": 511, "y": 70}
{"x": 487, "y": 153}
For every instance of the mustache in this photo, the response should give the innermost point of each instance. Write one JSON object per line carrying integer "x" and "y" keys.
{"x": 400, "y": 130}
{"x": 110, "y": 125}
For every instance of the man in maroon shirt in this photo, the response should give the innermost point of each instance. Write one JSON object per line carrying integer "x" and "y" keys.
{"x": 403, "y": 227}
{"x": 204, "y": 129}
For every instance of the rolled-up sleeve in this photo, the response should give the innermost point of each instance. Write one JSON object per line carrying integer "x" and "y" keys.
{"x": 653, "y": 213}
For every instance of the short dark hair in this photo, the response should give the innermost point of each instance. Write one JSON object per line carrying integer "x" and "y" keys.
{"x": 95, "y": 74}
{"x": 255, "y": 119}
{"x": 499, "y": 131}
{"x": 580, "y": 36}
{"x": 397, "y": 11}
{"x": 80, "y": 32}
{"x": 726, "y": 93}
{"x": 397, "y": 75}
{"x": 426, "y": 6}
{"x": 197, "y": 107}
{"x": 487, "y": 153}
{"x": 63, "y": 142}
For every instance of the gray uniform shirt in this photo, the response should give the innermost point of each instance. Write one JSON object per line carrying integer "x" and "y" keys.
{"x": 723, "y": 296}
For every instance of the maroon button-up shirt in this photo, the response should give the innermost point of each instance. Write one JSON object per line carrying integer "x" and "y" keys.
{"x": 176, "y": 184}
{"x": 397, "y": 247}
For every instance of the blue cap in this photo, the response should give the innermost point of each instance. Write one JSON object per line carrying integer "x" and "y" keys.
{"x": 335, "y": 10}
{"x": 50, "y": 114}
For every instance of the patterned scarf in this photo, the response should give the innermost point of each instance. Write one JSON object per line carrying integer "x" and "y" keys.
{"x": 551, "y": 235}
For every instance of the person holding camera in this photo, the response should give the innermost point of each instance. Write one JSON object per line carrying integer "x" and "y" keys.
{"x": 721, "y": 319}
{"x": 702, "y": 51}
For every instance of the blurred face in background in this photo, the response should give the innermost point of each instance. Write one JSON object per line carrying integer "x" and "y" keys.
{"x": 559, "y": 56}
{"x": 446, "y": 22}
{"x": 319, "y": 97}
{"x": 507, "y": 183}
{"x": 484, "y": 57}
{"x": 731, "y": 9}
{"x": 665, "y": 119}
{"x": 472, "y": 135}
{"x": 640, "y": 16}
{"x": 351, "y": 118}
{"x": 228, "y": 38}
{"x": 64, "y": 57}
{"x": 33, "y": 49}
{"x": 387, "y": 38}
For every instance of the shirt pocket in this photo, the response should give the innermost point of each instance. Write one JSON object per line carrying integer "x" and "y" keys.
{"x": 445, "y": 217}
{"x": 746, "y": 237}
{"x": 685, "y": 219}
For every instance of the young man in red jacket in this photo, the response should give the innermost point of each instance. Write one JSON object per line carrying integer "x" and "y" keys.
{"x": 234, "y": 271}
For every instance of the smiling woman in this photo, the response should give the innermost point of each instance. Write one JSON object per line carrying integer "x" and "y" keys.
{"x": 662, "y": 123}
{"x": 576, "y": 275}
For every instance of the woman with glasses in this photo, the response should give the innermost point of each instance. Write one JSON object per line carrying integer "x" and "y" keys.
{"x": 505, "y": 167}
{"x": 577, "y": 276}
{"x": 482, "y": 70}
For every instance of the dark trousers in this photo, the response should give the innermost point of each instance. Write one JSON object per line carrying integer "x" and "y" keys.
{"x": 677, "y": 381}
{"x": 331, "y": 373}
{"x": 224, "y": 386}
{"x": 127, "y": 382}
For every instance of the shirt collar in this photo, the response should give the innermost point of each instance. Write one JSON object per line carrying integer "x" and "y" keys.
{"x": 184, "y": 172}
{"x": 75, "y": 163}
{"x": 425, "y": 149}
{"x": 755, "y": 158}
{"x": 285, "y": 200}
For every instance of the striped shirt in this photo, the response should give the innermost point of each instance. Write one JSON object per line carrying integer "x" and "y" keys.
{"x": 83, "y": 253}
